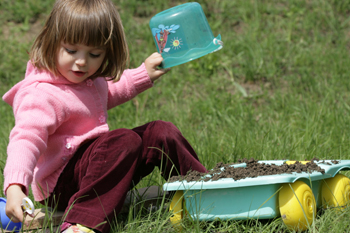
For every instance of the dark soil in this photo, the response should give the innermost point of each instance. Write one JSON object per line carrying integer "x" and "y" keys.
{"x": 253, "y": 169}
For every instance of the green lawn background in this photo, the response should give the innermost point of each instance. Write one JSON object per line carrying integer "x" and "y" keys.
{"x": 279, "y": 89}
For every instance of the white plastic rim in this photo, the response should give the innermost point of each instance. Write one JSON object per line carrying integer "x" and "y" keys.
{"x": 28, "y": 206}
{"x": 216, "y": 42}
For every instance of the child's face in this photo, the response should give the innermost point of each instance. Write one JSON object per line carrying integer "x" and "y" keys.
{"x": 78, "y": 62}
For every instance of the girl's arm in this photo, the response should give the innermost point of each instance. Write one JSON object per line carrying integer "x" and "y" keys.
{"x": 135, "y": 81}
{"x": 36, "y": 118}
{"x": 37, "y": 115}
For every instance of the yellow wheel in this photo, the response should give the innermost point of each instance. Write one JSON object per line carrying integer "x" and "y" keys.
{"x": 297, "y": 205}
{"x": 176, "y": 206}
{"x": 293, "y": 162}
{"x": 336, "y": 191}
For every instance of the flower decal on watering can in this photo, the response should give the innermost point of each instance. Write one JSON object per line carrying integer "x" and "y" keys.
{"x": 161, "y": 36}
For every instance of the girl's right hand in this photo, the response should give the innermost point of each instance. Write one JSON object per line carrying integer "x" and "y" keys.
{"x": 152, "y": 63}
{"x": 14, "y": 195}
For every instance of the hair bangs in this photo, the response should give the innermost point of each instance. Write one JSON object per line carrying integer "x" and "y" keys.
{"x": 89, "y": 22}
{"x": 85, "y": 24}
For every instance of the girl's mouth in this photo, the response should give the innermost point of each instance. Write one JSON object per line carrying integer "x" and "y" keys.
{"x": 79, "y": 73}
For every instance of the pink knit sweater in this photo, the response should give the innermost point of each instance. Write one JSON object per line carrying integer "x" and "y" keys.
{"x": 53, "y": 117}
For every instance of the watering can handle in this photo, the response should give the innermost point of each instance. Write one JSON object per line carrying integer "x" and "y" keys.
{"x": 217, "y": 41}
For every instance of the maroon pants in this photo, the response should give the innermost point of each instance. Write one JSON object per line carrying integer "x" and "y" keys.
{"x": 94, "y": 184}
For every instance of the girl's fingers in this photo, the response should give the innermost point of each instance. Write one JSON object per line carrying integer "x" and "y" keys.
{"x": 160, "y": 72}
{"x": 152, "y": 64}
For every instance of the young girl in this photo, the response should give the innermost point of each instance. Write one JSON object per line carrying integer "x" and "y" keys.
{"x": 61, "y": 143}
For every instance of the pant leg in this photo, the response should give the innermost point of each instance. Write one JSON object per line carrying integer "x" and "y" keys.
{"x": 66, "y": 186}
{"x": 102, "y": 174}
{"x": 165, "y": 147}
{"x": 94, "y": 187}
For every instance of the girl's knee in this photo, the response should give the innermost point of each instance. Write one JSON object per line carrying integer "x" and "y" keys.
{"x": 165, "y": 128}
{"x": 124, "y": 139}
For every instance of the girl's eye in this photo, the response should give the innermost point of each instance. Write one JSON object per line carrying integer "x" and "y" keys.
{"x": 70, "y": 51}
{"x": 94, "y": 55}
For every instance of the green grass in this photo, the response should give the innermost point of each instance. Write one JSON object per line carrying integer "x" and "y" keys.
{"x": 278, "y": 89}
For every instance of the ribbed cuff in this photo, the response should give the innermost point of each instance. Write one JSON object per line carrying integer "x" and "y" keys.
{"x": 16, "y": 178}
{"x": 141, "y": 79}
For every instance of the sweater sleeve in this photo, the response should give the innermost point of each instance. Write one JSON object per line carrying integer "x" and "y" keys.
{"x": 37, "y": 115}
{"x": 131, "y": 83}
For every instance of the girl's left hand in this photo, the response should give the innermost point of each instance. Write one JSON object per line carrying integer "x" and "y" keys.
{"x": 151, "y": 63}
{"x": 13, "y": 207}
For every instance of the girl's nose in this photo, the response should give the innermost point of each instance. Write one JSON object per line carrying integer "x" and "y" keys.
{"x": 81, "y": 61}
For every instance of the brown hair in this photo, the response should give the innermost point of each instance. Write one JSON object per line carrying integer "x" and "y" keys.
{"x": 89, "y": 22}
